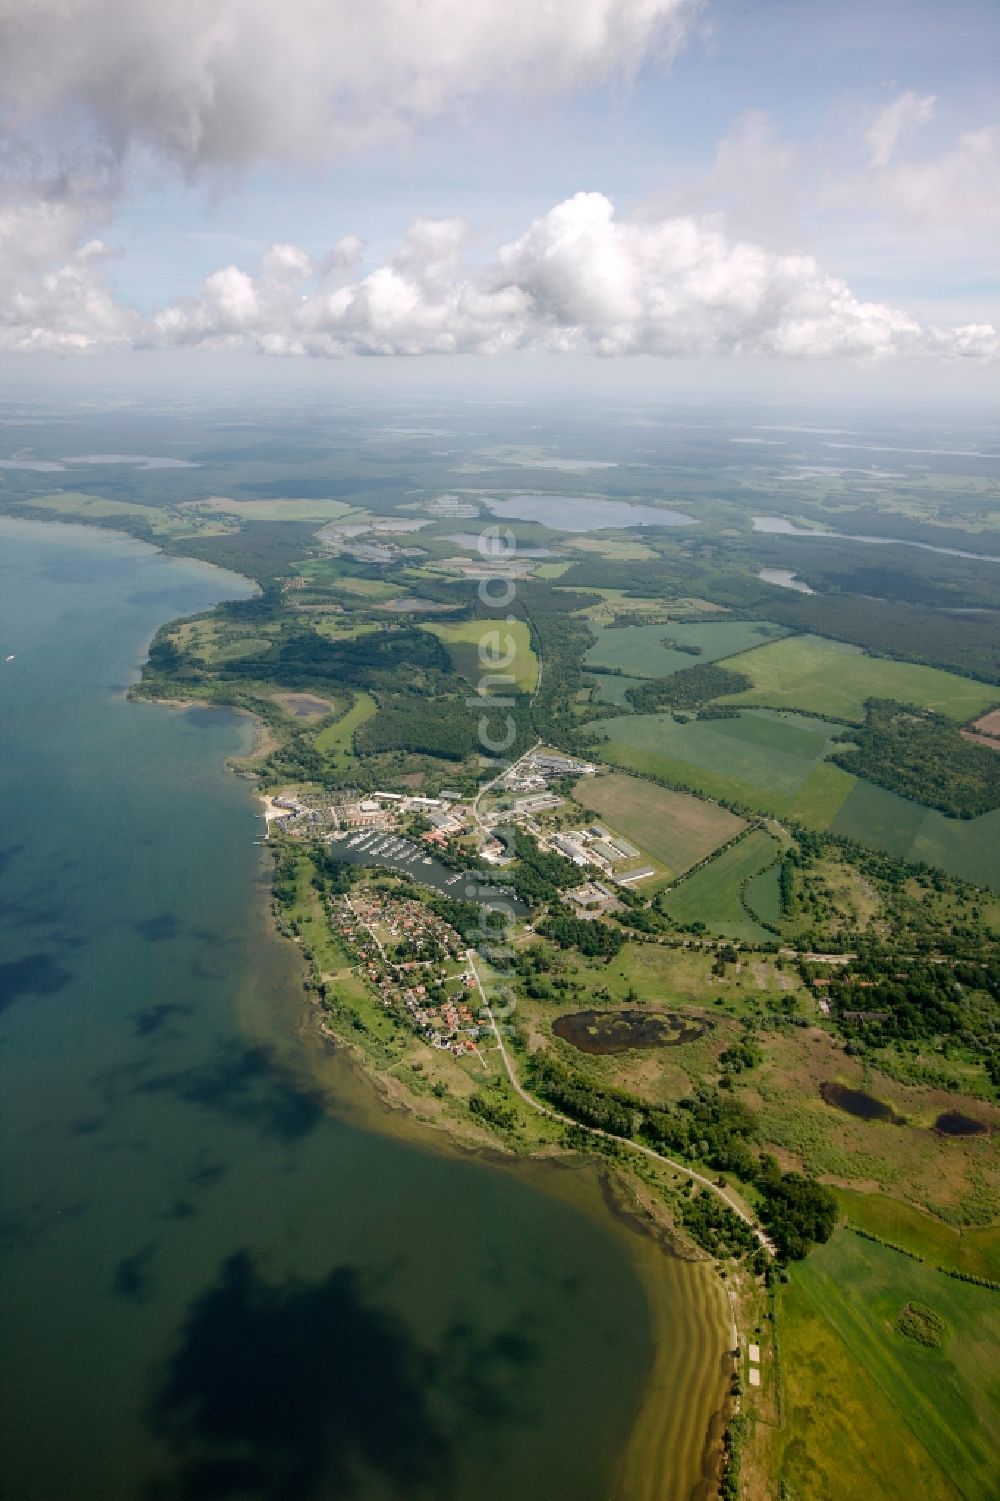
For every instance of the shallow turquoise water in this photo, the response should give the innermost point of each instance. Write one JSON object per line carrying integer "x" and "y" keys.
{"x": 210, "y": 1286}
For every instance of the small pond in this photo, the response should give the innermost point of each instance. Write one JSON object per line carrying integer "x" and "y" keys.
{"x": 617, "y": 1031}
{"x": 784, "y": 578}
{"x": 954, "y": 1123}
{"x": 859, "y": 1102}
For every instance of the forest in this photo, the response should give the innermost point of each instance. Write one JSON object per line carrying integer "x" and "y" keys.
{"x": 923, "y": 756}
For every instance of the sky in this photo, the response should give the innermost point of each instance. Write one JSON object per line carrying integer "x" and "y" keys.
{"x": 730, "y": 187}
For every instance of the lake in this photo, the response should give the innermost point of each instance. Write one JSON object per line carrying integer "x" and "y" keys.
{"x": 780, "y": 526}
{"x": 584, "y": 513}
{"x": 228, "y": 1271}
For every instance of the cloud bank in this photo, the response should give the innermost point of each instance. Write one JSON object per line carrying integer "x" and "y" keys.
{"x": 579, "y": 280}
{"x": 223, "y": 84}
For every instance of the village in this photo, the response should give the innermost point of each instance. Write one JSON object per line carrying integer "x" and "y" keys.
{"x": 389, "y": 827}
{"x": 417, "y": 964}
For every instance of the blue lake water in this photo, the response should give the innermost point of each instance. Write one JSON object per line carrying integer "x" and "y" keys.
{"x": 225, "y": 1272}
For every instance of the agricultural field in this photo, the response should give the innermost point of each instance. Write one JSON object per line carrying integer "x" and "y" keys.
{"x": 674, "y": 829}
{"x": 462, "y": 639}
{"x": 274, "y": 510}
{"x": 611, "y": 688}
{"x": 338, "y": 738}
{"x": 164, "y": 525}
{"x": 641, "y": 651}
{"x": 976, "y": 1252}
{"x": 820, "y": 676}
{"x": 775, "y": 762}
{"x": 871, "y": 1412}
{"x": 965, "y": 847}
{"x": 712, "y": 895}
{"x": 763, "y": 758}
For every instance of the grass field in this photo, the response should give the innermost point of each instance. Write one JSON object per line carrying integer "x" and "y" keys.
{"x": 969, "y": 848}
{"x": 277, "y": 510}
{"x": 672, "y": 828}
{"x": 639, "y": 650}
{"x": 77, "y": 506}
{"x": 869, "y": 1412}
{"x": 462, "y": 639}
{"x": 712, "y": 894}
{"x": 762, "y": 757}
{"x": 974, "y": 1251}
{"x": 826, "y": 677}
{"x": 339, "y": 737}
{"x": 612, "y": 688}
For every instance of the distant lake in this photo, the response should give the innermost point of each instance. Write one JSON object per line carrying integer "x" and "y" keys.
{"x": 784, "y": 578}
{"x": 225, "y": 1268}
{"x": 780, "y": 526}
{"x": 585, "y": 513}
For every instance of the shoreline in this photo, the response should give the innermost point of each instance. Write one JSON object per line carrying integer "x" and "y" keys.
{"x": 595, "y": 1187}
{"x": 683, "y": 1292}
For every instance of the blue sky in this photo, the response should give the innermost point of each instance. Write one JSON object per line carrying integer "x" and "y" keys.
{"x": 799, "y": 179}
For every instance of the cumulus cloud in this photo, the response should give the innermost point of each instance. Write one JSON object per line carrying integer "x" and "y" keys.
{"x": 55, "y": 299}
{"x": 223, "y": 84}
{"x": 578, "y": 280}
{"x": 895, "y": 122}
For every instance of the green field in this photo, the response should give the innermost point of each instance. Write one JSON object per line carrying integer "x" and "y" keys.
{"x": 774, "y": 762}
{"x": 712, "y": 894}
{"x": 640, "y": 652}
{"x": 339, "y": 737}
{"x": 612, "y": 688}
{"x": 163, "y": 524}
{"x": 967, "y": 847}
{"x": 462, "y": 639}
{"x": 869, "y": 1412}
{"x": 277, "y": 510}
{"x": 975, "y": 1251}
{"x": 672, "y": 828}
{"x": 826, "y": 677}
{"x": 762, "y": 758}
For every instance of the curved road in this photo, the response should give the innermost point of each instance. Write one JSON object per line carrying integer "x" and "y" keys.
{"x": 638, "y": 1146}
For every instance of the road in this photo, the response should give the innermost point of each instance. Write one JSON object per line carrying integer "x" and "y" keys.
{"x": 638, "y": 1146}
{"x": 499, "y": 777}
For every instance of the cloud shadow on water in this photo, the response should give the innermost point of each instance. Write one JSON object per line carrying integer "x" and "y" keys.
{"x": 299, "y": 1391}
{"x": 36, "y": 974}
{"x": 240, "y": 1082}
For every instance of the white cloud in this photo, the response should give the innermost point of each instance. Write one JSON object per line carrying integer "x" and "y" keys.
{"x": 54, "y": 296}
{"x": 957, "y": 190}
{"x": 895, "y": 122}
{"x": 577, "y": 281}
{"x": 227, "y": 83}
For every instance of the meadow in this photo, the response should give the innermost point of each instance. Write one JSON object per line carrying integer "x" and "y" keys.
{"x": 672, "y": 828}
{"x": 339, "y": 736}
{"x": 290, "y": 509}
{"x": 162, "y": 524}
{"x": 761, "y": 757}
{"x": 462, "y": 639}
{"x": 774, "y": 762}
{"x": 869, "y": 1411}
{"x": 712, "y": 894}
{"x": 641, "y": 651}
{"x": 973, "y": 1251}
{"x": 820, "y": 676}
{"x": 966, "y": 847}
